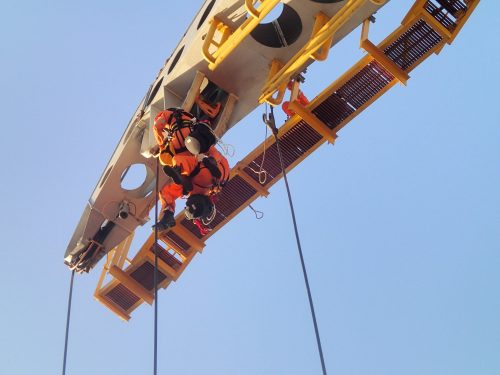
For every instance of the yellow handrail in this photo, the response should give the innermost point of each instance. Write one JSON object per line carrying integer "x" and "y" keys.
{"x": 322, "y": 52}
{"x": 276, "y": 65}
{"x": 251, "y": 9}
{"x": 296, "y": 63}
{"x": 229, "y": 42}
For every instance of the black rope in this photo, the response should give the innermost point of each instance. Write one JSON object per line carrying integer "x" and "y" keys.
{"x": 67, "y": 321}
{"x": 270, "y": 122}
{"x": 155, "y": 273}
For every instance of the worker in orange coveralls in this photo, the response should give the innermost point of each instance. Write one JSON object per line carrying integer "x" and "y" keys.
{"x": 178, "y": 132}
{"x": 199, "y": 177}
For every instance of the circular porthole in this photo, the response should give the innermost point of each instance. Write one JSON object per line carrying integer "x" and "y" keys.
{"x": 280, "y": 32}
{"x": 205, "y": 14}
{"x": 176, "y": 59}
{"x": 133, "y": 177}
{"x": 153, "y": 92}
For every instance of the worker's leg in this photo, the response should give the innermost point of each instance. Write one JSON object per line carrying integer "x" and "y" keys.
{"x": 168, "y": 195}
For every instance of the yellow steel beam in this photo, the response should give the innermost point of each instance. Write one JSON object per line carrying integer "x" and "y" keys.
{"x": 379, "y": 55}
{"x": 162, "y": 266}
{"x": 251, "y": 9}
{"x": 193, "y": 241}
{"x": 274, "y": 68}
{"x": 131, "y": 284}
{"x": 118, "y": 257}
{"x": 296, "y": 63}
{"x": 313, "y": 121}
{"x": 387, "y": 63}
{"x": 435, "y": 24}
{"x": 322, "y": 52}
{"x": 230, "y": 42}
{"x": 414, "y": 12}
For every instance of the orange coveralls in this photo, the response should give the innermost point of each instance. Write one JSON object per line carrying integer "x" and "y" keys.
{"x": 203, "y": 182}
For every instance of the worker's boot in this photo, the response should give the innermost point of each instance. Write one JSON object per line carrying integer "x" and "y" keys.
{"x": 167, "y": 221}
{"x": 179, "y": 179}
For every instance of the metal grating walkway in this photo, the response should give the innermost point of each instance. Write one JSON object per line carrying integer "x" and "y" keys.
{"x": 428, "y": 26}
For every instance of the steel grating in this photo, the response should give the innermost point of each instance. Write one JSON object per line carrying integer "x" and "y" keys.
{"x": 440, "y": 15}
{"x": 144, "y": 275}
{"x": 365, "y": 84}
{"x": 121, "y": 296}
{"x": 190, "y": 227}
{"x": 414, "y": 44}
{"x": 441, "y": 9}
{"x": 333, "y": 110}
{"x": 168, "y": 258}
{"x": 236, "y": 192}
{"x": 295, "y": 142}
{"x": 174, "y": 239}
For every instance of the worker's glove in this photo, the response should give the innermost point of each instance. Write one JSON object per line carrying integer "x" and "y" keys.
{"x": 211, "y": 164}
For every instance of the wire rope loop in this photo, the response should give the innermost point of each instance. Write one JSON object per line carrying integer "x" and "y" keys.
{"x": 258, "y": 214}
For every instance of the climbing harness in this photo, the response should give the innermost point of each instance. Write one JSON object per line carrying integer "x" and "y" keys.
{"x": 270, "y": 122}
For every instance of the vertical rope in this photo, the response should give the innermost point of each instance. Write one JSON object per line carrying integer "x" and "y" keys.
{"x": 155, "y": 273}
{"x": 270, "y": 122}
{"x": 67, "y": 321}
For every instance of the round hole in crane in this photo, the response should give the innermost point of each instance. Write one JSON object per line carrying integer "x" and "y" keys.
{"x": 176, "y": 59}
{"x": 205, "y": 14}
{"x": 274, "y": 13}
{"x": 280, "y": 31}
{"x": 133, "y": 177}
{"x": 153, "y": 92}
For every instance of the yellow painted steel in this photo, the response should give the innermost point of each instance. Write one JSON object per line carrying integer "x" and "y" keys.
{"x": 302, "y": 113}
{"x": 230, "y": 41}
{"x": 296, "y": 63}
{"x": 379, "y": 55}
{"x": 436, "y": 25}
{"x": 322, "y": 52}
{"x": 251, "y": 9}
{"x": 116, "y": 256}
{"x": 131, "y": 284}
{"x": 313, "y": 121}
{"x": 276, "y": 65}
{"x": 225, "y": 32}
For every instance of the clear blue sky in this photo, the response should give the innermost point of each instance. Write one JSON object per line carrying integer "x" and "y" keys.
{"x": 399, "y": 220}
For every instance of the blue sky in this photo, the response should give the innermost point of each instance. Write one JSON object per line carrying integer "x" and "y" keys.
{"x": 399, "y": 220}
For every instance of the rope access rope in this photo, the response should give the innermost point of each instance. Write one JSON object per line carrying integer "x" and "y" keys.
{"x": 67, "y": 321}
{"x": 155, "y": 273}
{"x": 269, "y": 121}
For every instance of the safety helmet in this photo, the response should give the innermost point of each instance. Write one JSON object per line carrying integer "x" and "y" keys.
{"x": 198, "y": 206}
{"x": 200, "y": 139}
